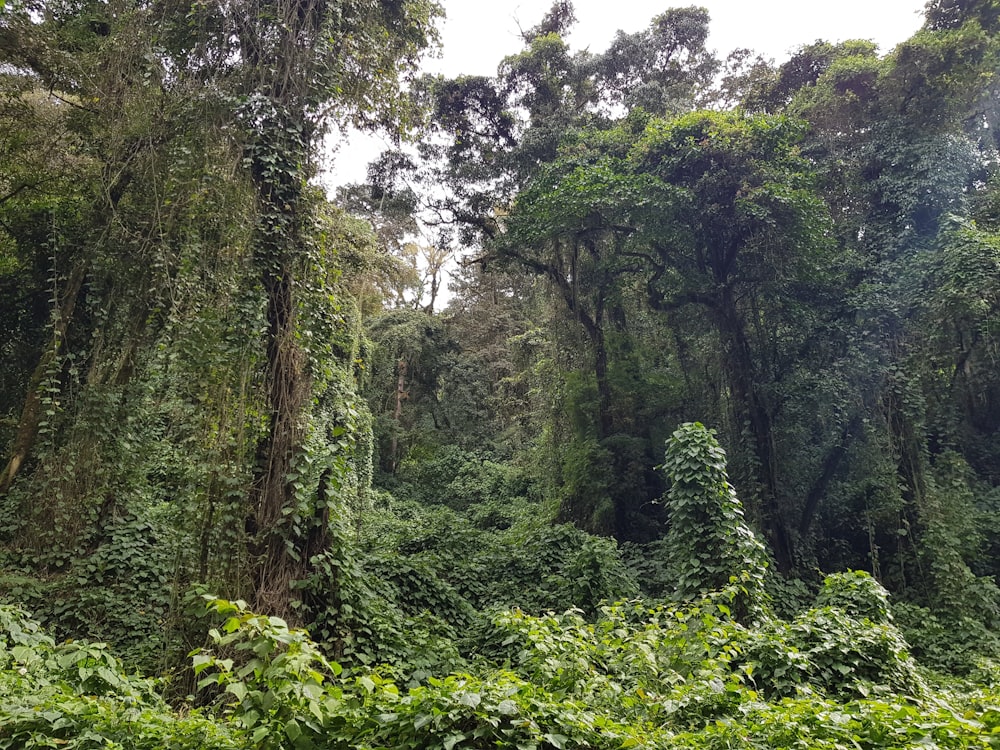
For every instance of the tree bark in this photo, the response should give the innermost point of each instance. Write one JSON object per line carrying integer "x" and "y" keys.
{"x": 605, "y": 422}
{"x": 830, "y": 465}
{"x": 397, "y": 414}
{"x": 288, "y": 387}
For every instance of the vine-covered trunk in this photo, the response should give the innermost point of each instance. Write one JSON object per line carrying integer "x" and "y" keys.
{"x": 397, "y": 414}
{"x": 750, "y": 412}
{"x": 605, "y": 424}
{"x": 274, "y": 546}
{"x": 31, "y": 415}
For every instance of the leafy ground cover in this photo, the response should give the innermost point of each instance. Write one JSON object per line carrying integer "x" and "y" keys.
{"x": 635, "y": 676}
{"x": 458, "y": 631}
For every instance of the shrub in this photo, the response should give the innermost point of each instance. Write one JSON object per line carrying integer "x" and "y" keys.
{"x": 76, "y": 695}
{"x": 708, "y": 543}
{"x": 857, "y": 594}
{"x": 846, "y": 646}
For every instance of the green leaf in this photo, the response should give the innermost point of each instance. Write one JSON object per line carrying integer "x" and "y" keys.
{"x": 470, "y": 699}
{"x": 238, "y": 690}
{"x": 422, "y": 720}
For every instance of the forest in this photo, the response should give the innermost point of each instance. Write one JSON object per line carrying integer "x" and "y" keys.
{"x": 639, "y": 398}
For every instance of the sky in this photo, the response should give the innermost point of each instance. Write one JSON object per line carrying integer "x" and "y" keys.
{"x": 477, "y": 34}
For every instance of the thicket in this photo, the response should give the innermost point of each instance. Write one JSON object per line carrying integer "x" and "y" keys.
{"x": 247, "y": 453}
{"x": 715, "y": 668}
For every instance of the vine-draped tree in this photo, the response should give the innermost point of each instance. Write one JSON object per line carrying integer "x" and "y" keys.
{"x": 166, "y": 110}
{"x": 302, "y": 64}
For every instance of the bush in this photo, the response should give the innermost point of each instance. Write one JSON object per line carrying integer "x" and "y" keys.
{"x": 827, "y": 652}
{"x": 950, "y": 643}
{"x": 118, "y": 592}
{"x": 460, "y": 479}
{"x": 670, "y": 676}
{"x": 76, "y": 695}
{"x": 857, "y": 594}
{"x": 708, "y": 543}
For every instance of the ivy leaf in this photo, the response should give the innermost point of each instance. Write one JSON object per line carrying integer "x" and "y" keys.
{"x": 470, "y": 699}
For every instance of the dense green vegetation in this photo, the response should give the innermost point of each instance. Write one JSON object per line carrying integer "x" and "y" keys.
{"x": 701, "y": 447}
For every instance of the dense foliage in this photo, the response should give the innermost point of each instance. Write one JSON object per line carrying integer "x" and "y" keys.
{"x": 259, "y": 490}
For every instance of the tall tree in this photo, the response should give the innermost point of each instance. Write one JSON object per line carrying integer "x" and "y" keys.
{"x": 150, "y": 89}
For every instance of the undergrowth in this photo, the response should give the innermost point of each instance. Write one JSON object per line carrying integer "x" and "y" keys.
{"x": 636, "y": 675}
{"x": 489, "y": 627}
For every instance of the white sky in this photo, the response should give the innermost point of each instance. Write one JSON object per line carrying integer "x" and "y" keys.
{"x": 477, "y": 34}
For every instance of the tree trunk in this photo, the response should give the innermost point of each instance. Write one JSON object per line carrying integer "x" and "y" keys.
{"x": 749, "y": 410}
{"x": 31, "y": 414}
{"x": 605, "y": 424}
{"x": 276, "y": 565}
{"x": 830, "y": 466}
{"x": 397, "y": 414}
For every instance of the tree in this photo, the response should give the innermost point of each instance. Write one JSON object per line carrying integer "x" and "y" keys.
{"x": 748, "y": 245}
{"x": 505, "y": 138}
{"x": 150, "y": 90}
{"x": 901, "y": 155}
{"x": 714, "y": 210}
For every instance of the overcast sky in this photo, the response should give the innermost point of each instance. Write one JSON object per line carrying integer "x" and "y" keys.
{"x": 477, "y": 34}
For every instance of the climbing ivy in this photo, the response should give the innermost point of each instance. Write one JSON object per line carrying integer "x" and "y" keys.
{"x": 708, "y": 543}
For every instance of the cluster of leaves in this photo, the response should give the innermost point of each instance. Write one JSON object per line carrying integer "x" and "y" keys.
{"x": 424, "y": 578}
{"x": 460, "y": 479}
{"x": 118, "y": 592}
{"x": 708, "y": 543}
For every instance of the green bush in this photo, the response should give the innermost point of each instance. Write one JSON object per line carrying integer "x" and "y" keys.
{"x": 824, "y": 651}
{"x": 858, "y": 594}
{"x": 460, "y": 479}
{"x": 708, "y": 543}
{"x": 685, "y": 675}
{"x": 77, "y": 696}
{"x": 951, "y": 643}
{"x": 117, "y": 592}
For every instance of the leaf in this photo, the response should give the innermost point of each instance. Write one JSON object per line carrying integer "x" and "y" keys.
{"x": 422, "y": 720}
{"x": 260, "y": 733}
{"x": 507, "y": 708}
{"x": 108, "y": 676}
{"x": 201, "y": 661}
{"x": 238, "y": 690}
{"x": 470, "y": 699}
